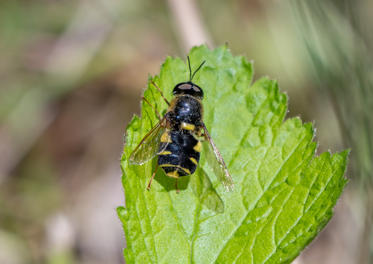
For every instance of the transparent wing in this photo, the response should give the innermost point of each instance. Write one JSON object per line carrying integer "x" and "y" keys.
{"x": 149, "y": 145}
{"x": 217, "y": 162}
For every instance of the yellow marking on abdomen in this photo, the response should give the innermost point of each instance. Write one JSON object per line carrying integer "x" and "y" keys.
{"x": 186, "y": 170}
{"x": 198, "y": 147}
{"x": 173, "y": 174}
{"x": 168, "y": 165}
{"x": 176, "y": 166}
{"x": 187, "y": 126}
{"x": 166, "y": 152}
{"x": 193, "y": 160}
{"x": 165, "y": 138}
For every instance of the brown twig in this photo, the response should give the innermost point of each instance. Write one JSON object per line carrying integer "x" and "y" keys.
{"x": 189, "y": 24}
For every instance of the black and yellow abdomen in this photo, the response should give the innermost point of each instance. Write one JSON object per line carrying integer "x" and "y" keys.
{"x": 181, "y": 156}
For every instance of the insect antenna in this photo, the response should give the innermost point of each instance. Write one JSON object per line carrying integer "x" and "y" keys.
{"x": 191, "y": 76}
{"x": 190, "y": 70}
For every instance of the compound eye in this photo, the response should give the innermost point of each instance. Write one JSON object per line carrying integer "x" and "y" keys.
{"x": 184, "y": 86}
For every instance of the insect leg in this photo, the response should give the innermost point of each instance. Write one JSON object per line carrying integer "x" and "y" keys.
{"x": 154, "y": 108}
{"x": 151, "y": 179}
{"x": 176, "y": 188}
{"x": 159, "y": 90}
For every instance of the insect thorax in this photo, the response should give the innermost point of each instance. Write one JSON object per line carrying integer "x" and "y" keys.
{"x": 185, "y": 110}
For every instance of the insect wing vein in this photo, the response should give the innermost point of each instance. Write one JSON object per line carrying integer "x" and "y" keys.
{"x": 149, "y": 145}
{"x": 218, "y": 164}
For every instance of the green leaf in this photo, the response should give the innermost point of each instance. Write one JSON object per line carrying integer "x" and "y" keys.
{"x": 283, "y": 195}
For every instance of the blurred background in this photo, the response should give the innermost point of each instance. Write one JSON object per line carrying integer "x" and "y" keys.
{"x": 72, "y": 74}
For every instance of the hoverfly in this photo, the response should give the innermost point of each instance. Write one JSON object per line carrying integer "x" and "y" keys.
{"x": 176, "y": 139}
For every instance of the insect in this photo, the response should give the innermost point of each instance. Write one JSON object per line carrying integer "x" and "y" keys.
{"x": 176, "y": 139}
